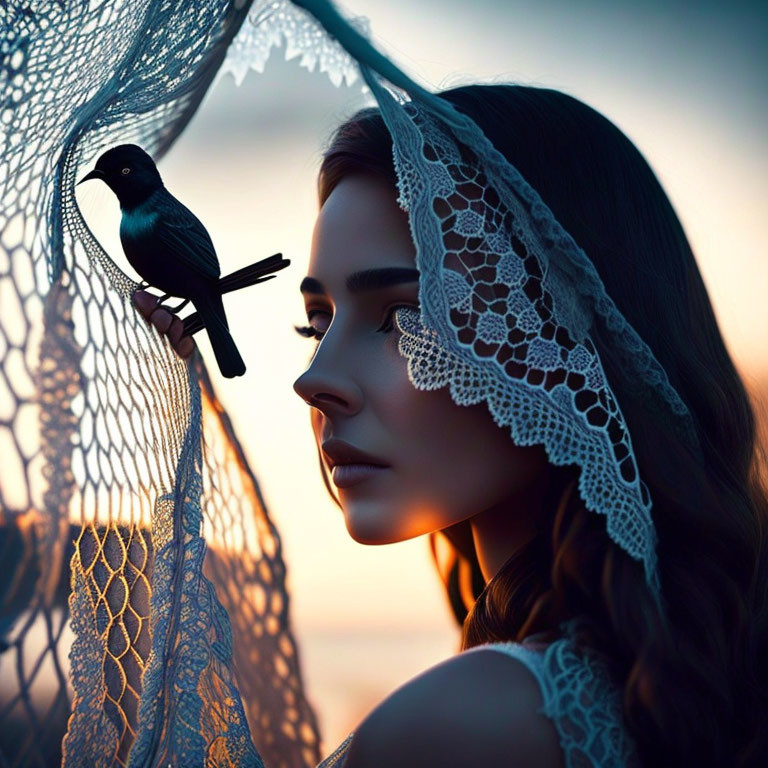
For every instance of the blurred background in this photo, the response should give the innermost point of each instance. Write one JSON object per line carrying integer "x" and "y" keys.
{"x": 687, "y": 82}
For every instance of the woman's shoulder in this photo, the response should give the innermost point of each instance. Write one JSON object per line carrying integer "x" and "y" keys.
{"x": 476, "y": 708}
{"x": 538, "y": 703}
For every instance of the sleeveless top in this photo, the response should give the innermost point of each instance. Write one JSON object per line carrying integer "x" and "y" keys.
{"x": 578, "y": 696}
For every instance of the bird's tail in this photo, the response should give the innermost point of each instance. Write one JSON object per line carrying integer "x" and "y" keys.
{"x": 211, "y": 311}
{"x": 253, "y": 273}
{"x": 242, "y": 278}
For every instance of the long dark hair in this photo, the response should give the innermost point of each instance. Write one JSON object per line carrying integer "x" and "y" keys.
{"x": 695, "y": 686}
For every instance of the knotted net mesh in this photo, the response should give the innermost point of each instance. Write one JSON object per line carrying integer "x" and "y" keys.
{"x": 122, "y": 478}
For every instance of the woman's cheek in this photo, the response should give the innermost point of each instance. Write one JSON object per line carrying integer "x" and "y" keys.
{"x": 433, "y": 454}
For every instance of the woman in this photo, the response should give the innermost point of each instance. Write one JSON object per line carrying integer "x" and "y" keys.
{"x": 590, "y": 672}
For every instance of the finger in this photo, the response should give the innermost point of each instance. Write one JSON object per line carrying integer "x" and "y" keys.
{"x": 186, "y": 347}
{"x": 161, "y": 319}
{"x": 175, "y": 331}
{"x": 145, "y": 302}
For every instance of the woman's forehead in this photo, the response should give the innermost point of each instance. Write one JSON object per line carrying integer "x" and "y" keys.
{"x": 360, "y": 227}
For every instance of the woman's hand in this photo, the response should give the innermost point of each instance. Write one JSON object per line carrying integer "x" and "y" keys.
{"x": 167, "y": 323}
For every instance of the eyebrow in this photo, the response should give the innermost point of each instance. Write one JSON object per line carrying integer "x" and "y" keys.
{"x": 366, "y": 280}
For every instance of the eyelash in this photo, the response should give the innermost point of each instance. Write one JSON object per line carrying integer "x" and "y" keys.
{"x": 310, "y": 332}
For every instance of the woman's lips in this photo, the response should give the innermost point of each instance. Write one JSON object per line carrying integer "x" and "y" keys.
{"x": 349, "y": 465}
{"x": 346, "y": 475}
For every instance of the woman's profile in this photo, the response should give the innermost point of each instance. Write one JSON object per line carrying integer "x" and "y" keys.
{"x": 570, "y": 657}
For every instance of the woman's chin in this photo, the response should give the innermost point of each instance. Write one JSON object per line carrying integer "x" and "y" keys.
{"x": 371, "y": 527}
{"x": 369, "y": 522}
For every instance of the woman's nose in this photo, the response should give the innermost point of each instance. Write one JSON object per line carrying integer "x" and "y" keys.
{"x": 325, "y": 386}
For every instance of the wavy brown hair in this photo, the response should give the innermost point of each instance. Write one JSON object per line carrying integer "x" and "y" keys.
{"x": 695, "y": 678}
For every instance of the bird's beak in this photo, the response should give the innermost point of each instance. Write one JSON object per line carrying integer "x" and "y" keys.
{"x": 94, "y": 174}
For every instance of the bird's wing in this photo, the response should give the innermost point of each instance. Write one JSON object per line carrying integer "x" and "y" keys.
{"x": 183, "y": 235}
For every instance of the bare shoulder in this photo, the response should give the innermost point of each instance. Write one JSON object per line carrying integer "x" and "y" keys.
{"x": 478, "y": 708}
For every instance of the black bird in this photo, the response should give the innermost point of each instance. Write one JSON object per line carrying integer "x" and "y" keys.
{"x": 171, "y": 249}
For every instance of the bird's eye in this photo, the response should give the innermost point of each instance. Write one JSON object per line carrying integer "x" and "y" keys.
{"x": 125, "y": 171}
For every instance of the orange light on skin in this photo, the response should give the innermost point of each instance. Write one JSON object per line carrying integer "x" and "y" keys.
{"x": 373, "y": 521}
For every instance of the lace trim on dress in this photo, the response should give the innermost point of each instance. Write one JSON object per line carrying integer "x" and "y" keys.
{"x": 582, "y": 701}
{"x": 339, "y": 755}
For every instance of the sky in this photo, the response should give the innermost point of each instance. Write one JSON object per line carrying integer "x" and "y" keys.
{"x": 687, "y": 82}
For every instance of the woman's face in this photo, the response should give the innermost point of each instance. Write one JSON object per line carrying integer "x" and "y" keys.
{"x": 437, "y": 463}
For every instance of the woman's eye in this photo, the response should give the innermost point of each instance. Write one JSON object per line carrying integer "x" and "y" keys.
{"x": 389, "y": 321}
{"x": 319, "y": 322}
{"x": 317, "y": 325}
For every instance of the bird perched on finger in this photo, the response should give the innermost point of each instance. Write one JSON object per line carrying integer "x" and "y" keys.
{"x": 168, "y": 245}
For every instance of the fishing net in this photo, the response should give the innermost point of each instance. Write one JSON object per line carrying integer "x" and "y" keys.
{"x": 133, "y": 532}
